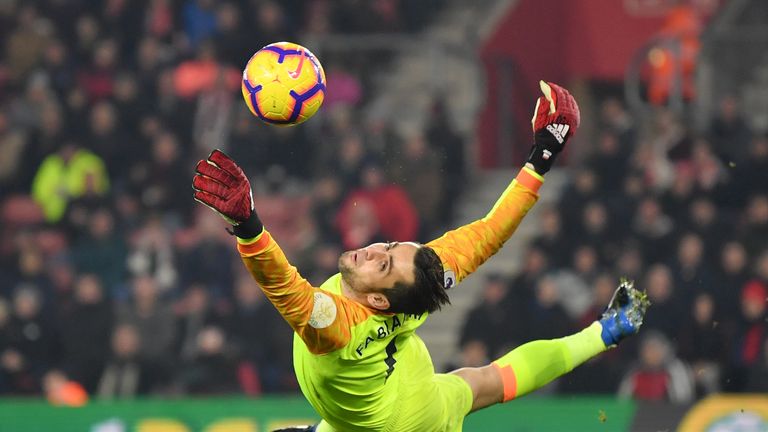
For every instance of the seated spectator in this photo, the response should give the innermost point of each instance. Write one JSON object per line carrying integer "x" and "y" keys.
{"x": 659, "y": 375}
{"x": 214, "y": 369}
{"x": 85, "y": 327}
{"x": 731, "y": 275}
{"x": 266, "y": 353}
{"x": 663, "y": 316}
{"x": 692, "y": 272}
{"x": 701, "y": 345}
{"x": 754, "y": 232}
{"x": 195, "y": 312}
{"x": 151, "y": 255}
{"x": 152, "y": 318}
{"x": 126, "y": 375}
{"x": 546, "y": 318}
{"x": 747, "y": 340}
{"x": 602, "y": 290}
{"x": 376, "y": 211}
{"x": 101, "y": 250}
{"x": 487, "y": 322}
{"x": 34, "y": 335}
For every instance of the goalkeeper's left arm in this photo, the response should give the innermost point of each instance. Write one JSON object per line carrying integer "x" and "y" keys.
{"x": 555, "y": 120}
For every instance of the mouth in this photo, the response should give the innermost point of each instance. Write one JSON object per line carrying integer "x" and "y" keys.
{"x": 354, "y": 257}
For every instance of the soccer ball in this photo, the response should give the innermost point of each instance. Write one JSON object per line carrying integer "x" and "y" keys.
{"x": 283, "y": 84}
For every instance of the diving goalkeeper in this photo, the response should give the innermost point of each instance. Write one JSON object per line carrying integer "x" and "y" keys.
{"x": 357, "y": 357}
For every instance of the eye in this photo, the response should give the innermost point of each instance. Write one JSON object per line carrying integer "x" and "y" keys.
{"x": 388, "y": 246}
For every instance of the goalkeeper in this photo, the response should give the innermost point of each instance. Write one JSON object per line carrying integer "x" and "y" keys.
{"x": 357, "y": 357}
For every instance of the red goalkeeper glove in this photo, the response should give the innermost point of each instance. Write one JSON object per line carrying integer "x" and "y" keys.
{"x": 223, "y": 186}
{"x": 555, "y": 119}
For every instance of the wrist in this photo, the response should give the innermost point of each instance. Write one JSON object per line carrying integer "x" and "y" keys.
{"x": 249, "y": 228}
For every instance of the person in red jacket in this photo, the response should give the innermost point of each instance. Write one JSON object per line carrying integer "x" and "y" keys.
{"x": 376, "y": 211}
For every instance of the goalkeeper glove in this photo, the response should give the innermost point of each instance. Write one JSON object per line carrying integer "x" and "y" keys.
{"x": 555, "y": 119}
{"x": 223, "y": 186}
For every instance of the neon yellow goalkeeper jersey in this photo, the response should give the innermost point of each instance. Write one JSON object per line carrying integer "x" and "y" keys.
{"x": 357, "y": 366}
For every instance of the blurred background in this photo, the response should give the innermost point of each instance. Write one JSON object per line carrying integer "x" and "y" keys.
{"x": 117, "y": 292}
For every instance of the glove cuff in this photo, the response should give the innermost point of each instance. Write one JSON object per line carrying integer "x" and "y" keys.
{"x": 541, "y": 159}
{"x": 249, "y": 228}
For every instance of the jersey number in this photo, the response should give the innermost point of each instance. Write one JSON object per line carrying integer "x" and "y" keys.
{"x": 390, "y": 360}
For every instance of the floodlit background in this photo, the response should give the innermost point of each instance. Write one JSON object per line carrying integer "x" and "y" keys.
{"x": 121, "y": 296}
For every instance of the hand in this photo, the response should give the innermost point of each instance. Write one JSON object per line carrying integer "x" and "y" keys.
{"x": 223, "y": 186}
{"x": 555, "y": 119}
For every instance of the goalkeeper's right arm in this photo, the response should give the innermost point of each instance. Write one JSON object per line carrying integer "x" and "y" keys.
{"x": 322, "y": 319}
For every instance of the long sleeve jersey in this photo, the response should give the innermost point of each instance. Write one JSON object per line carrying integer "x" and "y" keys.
{"x": 355, "y": 364}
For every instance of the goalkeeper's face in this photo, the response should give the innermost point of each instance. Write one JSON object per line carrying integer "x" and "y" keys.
{"x": 378, "y": 267}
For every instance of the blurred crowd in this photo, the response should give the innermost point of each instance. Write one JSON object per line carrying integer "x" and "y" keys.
{"x": 685, "y": 216}
{"x": 113, "y": 283}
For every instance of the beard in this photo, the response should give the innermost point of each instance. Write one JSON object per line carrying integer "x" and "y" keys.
{"x": 347, "y": 272}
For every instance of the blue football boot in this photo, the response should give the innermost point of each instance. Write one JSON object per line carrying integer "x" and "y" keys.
{"x": 624, "y": 314}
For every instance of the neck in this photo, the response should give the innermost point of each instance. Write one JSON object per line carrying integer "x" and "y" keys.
{"x": 352, "y": 294}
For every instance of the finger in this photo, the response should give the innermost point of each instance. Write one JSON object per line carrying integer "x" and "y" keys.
{"x": 209, "y": 170}
{"x": 550, "y": 95}
{"x": 535, "y": 114}
{"x": 208, "y": 185}
{"x": 211, "y": 201}
{"x": 541, "y": 115}
{"x": 224, "y": 162}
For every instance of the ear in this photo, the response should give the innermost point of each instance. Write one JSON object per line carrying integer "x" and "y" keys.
{"x": 378, "y": 301}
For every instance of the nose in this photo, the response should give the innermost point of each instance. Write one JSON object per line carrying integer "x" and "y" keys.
{"x": 372, "y": 253}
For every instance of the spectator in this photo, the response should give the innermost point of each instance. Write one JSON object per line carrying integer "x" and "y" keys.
{"x": 705, "y": 221}
{"x": 754, "y": 232}
{"x": 72, "y": 172}
{"x": 199, "y": 20}
{"x": 690, "y": 268}
{"x": 101, "y": 250}
{"x": 749, "y": 336}
{"x": 152, "y": 319}
{"x": 551, "y": 241}
{"x": 151, "y": 254}
{"x": 653, "y": 229}
{"x": 34, "y": 336}
{"x": 195, "y": 313}
{"x": 663, "y": 295}
{"x": 213, "y": 369}
{"x": 610, "y": 161}
{"x": 729, "y": 132}
{"x": 659, "y": 375}
{"x": 125, "y": 375}
{"x": 489, "y": 313}
{"x": 266, "y": 353}
{"x": 376, "y": 211}
{"x": 546, "y": 318}
{"x": 701, "y": 345}
{"x": 85, "y": 328}
{"x": 732, "y": 274}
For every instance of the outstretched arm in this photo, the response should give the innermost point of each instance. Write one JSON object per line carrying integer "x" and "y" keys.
{"x": 555, "y": 119}
{"x": 322, "y": 319}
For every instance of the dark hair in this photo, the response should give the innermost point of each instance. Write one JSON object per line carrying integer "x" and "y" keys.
{"x": 427, "y": 294}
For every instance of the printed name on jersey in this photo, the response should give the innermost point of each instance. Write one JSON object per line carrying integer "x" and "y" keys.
{"x": 389, "y": 326}
{"x": 323, "y": 311}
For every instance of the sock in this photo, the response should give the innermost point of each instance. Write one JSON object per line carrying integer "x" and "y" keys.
{"x": 535, "y": 364}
